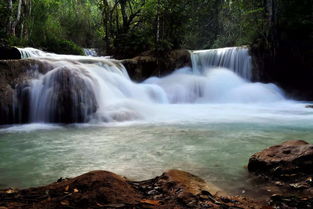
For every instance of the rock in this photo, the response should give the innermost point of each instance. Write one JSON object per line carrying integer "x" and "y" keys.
{"x": 287, "y": 202}
{"x": 14, "y": 88}
{"x": 149, "y": 64}
{"x": 8, "y": 53}
{"x": 291, "y": 161}
{"x": 289, "y": 65}
{"x": 72, "y": 101}
{"x": 184, "y": 181}
{"x": 101, "y": 189}
{"x": 309, "y": 106}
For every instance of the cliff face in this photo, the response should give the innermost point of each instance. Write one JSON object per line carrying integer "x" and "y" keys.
{"x": 63, "y": 96}
{"x": 147, "y": 65}
{"x": 290, "y": 66}
{"x": 14, "y": 88}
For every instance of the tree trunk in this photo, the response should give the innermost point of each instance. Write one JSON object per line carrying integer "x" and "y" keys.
{"x": 124, "y": 16}
{"x": 18, "y": 17}
{"x": 10, "y": 18}
{"x": 106, "y": 24}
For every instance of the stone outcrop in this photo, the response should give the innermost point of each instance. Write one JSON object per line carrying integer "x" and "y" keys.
{"x": 14, "y": 88}
{"x": 101, "y": 189}
{"x": 290, "y": 66}
{"x": 288, "y": 166}
{"x": 149, "y": 64}
{"x": 71, "y": 101}
{"x": 9, "y": 53}
{"x": 69, "y": 98}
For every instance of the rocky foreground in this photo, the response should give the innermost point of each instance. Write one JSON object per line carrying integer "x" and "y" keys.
{"x": 102, "y": 189}
{"x": 287, "y": 166}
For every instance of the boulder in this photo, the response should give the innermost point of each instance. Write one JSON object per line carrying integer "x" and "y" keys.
{"x": 101, "y": 189}
{"x": 148, "y": 64}
{"x": 14, "y": 88}
{"x": 8, "y": 53}
{"x": 291, "y": 161}
{"x": 71, "y": 101}
{"x": 309, "y": 106}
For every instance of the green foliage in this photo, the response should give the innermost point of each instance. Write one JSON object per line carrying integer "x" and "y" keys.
{"x": 62, "y": 46}
{"x": 126, "y": 28}
{"x": 3, "y": 17}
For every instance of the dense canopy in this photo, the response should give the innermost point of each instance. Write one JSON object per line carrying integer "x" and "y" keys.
{"x": 128, "y": 27}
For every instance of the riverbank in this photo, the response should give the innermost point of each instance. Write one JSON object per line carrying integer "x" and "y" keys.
{"x": 175, "y": 188}
{"x": 102, "y": 189}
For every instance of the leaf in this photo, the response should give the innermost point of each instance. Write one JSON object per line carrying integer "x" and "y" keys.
{"x": 76, "y": 190}
{"x": 151, "y": 202}
{"x": 10, "y": 191}
{"x": 67, "y": 188}
{"x": 65, "y": 203}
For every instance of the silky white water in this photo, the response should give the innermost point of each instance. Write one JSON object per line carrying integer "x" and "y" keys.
{"x": 208, "y": 123}
{"x": 236, "y": 59}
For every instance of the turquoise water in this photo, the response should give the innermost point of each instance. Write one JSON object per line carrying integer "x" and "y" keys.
{"x": 211, "y": 141}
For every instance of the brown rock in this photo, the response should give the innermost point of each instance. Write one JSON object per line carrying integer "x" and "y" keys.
{"x": 101, "y": 189}
{"x": 288, "y": 161}
{"x": 149, "y": 64}
{"x": 184, "y": 181}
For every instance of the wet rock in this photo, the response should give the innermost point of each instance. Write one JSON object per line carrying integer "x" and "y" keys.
{"x": 287, "y": 202}
{"x": 149, "y": 64}
{"x": 8, "y": 53}
{"x": 287, "y": 168}
{"x": 69, "y": 98}
{"x": 14, "y": 88}
{"x": 72, "y": 100}
{"x": 309, "y": 106}
{"x": 288, "y": 161}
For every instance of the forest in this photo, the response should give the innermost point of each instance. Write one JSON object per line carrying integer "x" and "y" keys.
{"x": 156, "y": 104}
{"x": 126, "y": 28}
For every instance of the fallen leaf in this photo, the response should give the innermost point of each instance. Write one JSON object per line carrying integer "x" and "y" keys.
{"x": 67, "y": 188}
{"x": 151, "y": 202}
{"x": 65, "y": 203}
{"x": 10, "y": 191}
{"x": 76, "y": 190}
{"x": 100, "y": 205}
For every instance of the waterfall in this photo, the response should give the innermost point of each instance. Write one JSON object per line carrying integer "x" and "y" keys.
{"x": 78, "y": 89}
{"x": 90, "y": 52}
{"x": 95, "y": 89}
{"x": 236, "y": 59}
{"x": 30, "y": 52}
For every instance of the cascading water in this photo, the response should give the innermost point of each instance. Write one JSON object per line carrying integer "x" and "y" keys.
{"x": 33, "y": 53}
{"x": 207, "y": 122}
{"x": 82, "y": 89}
{"x": 90, "y": 52}
{"x": 236, "y": 59}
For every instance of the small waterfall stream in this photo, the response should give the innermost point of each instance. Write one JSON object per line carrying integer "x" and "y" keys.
{"x": 84, "y": 89}
{"x": 236, "y": 59}
{"x": 90, "y": 52}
